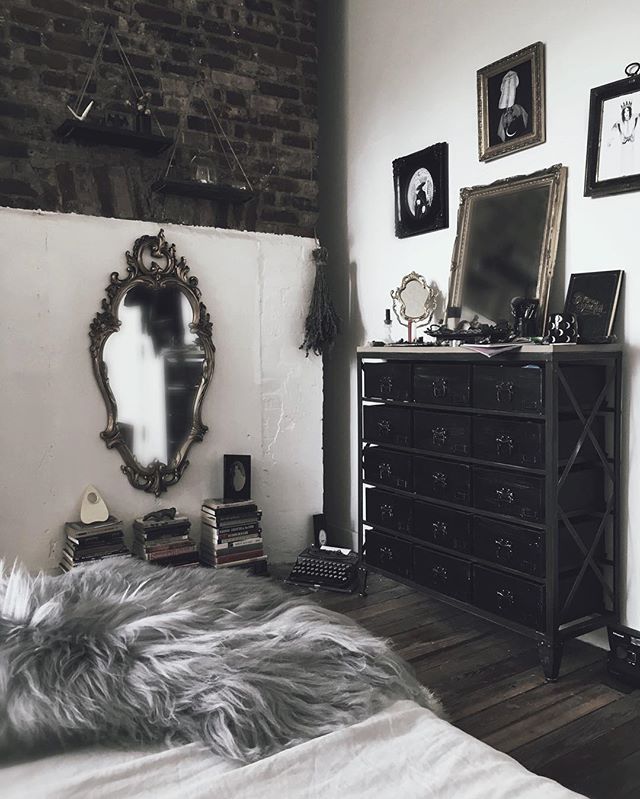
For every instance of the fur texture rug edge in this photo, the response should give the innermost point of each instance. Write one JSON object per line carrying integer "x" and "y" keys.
{"x": 124, "y": 651}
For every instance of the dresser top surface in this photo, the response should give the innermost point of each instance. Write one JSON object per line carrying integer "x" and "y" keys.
{"x": 529, "y": 352}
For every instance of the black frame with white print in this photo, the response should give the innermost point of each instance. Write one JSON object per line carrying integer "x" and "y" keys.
{"x": 614, "y": 124}
{"x": 421, "y": 184}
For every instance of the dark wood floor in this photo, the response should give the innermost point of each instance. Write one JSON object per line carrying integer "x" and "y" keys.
{"x": 583, "y": 731}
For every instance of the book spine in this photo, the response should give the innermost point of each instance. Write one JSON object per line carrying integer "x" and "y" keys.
{"x": 233, "y": 507}
{"x": 164, "y": 543}
{"x": 169, "y": 553}
{"x": 253, "y": 553}
{"x": 237, "y": 513}
{"x": 231, "y": 528}
{"x": 242, "y": 543}
{"x": 240, "y": 562}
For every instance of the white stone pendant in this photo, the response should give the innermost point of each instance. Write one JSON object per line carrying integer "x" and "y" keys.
{"x": 93, "y": 507}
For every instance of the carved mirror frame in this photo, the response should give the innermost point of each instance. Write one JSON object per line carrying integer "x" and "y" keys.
{"x": 430, "y": 302}
{"x": 162, "y": 270}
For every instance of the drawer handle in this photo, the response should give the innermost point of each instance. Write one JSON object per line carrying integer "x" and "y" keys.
{"x": 504, "y": 392}
{"x": 504, "y": 549}
{"x": 386, "y": 385}
{"x": 384, "y": 471}
{"x": 439, "y": 436}
{"x": 504, "y": 445}
{"x": 386, "y": 554}
{"x": 505, "y": 598}
{"x": 439, "y": 530}
{"x": 384, "y": 427}
{"x": 439, "y": 481}
{"x": 505, "y": 496}
{"x": 440, "y": 573}
{"x": 386, "y": 511}
{"x": 440, "y": 387}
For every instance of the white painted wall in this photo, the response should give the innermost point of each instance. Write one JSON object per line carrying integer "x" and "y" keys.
{"x": 399, "y": 76}
{"x": 265, "y": 399}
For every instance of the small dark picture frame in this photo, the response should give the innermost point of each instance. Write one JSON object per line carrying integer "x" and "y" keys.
{"x": 511, "y": 103}
{"x": 613, "y": 142}
{"x": 237, "y": 477}
{"x": 421, "y": 184}
{"x": 593, "y": 298}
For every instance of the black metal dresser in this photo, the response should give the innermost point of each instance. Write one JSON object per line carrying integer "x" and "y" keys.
{"x": 494, "y": 483}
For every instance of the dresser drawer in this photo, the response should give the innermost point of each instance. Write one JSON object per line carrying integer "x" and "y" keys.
{"x": 509, "y": 494}
{"x": 387, "y": 380}
{"x": 449, "y": 433}
{"x": 388, "y": 553}
{"x": 518, "y": 443}
{"x": 519, "y": 549}
{"x": 511, "y": 597}
{"x": 442, "y": 480}
{"x": 447, "y": 528}
{"x": 442, "y": 384}
{"x": 508, "y": 388}
{"x": 384, "y": 424}
{"x": 387, "y": 468}
{"x": 443, "y": 573}
{"x": 389, "y": 510}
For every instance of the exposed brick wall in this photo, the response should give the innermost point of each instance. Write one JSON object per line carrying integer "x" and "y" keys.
{"x": 260, "y": 58}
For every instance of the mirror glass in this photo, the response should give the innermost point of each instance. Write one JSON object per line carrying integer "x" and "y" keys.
{"x": 154, "y": 365}
{"x": 415, "y": 297}
{"x": 506, "y": 245}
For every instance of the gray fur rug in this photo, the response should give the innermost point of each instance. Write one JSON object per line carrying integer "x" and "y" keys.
{"x": 124, "y": 651}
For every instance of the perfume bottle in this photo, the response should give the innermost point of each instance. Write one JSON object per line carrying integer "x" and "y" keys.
{"x": 387, "y": 336}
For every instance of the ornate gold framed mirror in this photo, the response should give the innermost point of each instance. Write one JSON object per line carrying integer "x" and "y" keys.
{"x": 153, "y": 358}
{"x": 506, "y": 245}
{"x": 415, "y": 302}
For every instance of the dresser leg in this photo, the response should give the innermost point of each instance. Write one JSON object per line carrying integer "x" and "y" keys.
{"x": 364, "y": 574}
{"x": 550, "y": 654}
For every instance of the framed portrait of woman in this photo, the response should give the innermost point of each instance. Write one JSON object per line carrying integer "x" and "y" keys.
{"x": 613, "y": 142}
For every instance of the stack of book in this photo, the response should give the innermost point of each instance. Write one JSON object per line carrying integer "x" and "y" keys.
{"x": 231, "y": 533}
{"x": 164, "y": 541}
{"x": 89, "y": 542}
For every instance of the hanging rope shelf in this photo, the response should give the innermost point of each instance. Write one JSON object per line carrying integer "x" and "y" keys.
{"x": 233, "y": 187}
{"x": 88, "y": 131}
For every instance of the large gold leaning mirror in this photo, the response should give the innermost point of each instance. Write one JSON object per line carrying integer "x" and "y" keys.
{"x": 506, "y": 245}
{"x": 153, "y": 358}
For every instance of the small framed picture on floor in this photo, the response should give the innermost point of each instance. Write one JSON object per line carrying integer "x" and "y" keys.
{"x": 421, "y": 184}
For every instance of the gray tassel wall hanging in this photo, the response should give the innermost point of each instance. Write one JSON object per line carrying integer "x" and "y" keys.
{"x": 323, "y": 323}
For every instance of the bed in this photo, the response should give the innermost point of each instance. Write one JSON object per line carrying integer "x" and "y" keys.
{"x": 403, "y": 752}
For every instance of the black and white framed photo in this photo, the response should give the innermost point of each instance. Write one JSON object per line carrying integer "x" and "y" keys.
{"x": 237, "y": 477}
{"x": 511, "y": 103}
{"x": 613, "y": 143}
{"x": 421, "y": 182}
{"x": 592, "y": 297}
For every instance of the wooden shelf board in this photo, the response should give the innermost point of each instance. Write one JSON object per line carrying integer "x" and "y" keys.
{"x": 209, "y": 191}
{"x": 90, "y": 133}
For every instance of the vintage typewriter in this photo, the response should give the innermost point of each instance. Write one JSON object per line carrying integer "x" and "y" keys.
{"x": 326, "y": 567}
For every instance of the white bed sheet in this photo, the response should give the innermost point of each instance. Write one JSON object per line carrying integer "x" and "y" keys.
{"x": 405, "y": 752}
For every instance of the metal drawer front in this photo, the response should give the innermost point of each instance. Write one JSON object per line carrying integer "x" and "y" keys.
{"x": 518, "y": 443}
{"x": 512, "y": 597}
{"x": 388, "y": 553}
{"x": 442, "y": 384}
{"x": 389, "y": 510}
{"x": 504, "y": 492}
{"x": 442, "y": 432}
{"x": 510, "y": 546}
{"x": 387, "y": 425}
{"x": 508, "y": 388}
{"x": 388, "y": 381}
{"x": 384, "y": 467}
{"x": 442, "y": 480}
{"x": 443, "y": 573}
{"x": 442, "y": 526}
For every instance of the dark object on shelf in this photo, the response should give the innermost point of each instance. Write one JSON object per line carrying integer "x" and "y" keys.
{"x": 474, "y": 334}
{"x": 496, "y": 486}
{"x": 196, "y": 188}
{"x": 91, "y": 133}
{"x": 421, "y": 184}
{"x": 624, "y": 658}
{"x": 613, "y": 119}
{"x": 237, "y": 477}
{"x": 115, "y": 120}
{"x": 326, "y": 567}
{"x": 322, "y": 324}
{"x": 524, "y": 312}
{"x": 562, "y": 328}
{"x": 158, "y": 515}
{"x": 593, "y": 298}
{"x": 319, "y": 530}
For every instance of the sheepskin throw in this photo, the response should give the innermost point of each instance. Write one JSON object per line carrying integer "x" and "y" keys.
{"x": 125, "y": 651}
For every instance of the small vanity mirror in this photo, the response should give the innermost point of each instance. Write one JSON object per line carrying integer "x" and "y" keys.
{"x": 153, "y": 359}
{"x": 414, "y": 301}
{"x": 506, "y": 245}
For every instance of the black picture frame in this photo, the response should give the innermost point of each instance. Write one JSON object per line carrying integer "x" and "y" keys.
{"x": 237, "y": 477}
{"x": 511, "y": 103}
{"x": 421, "y": 185}
{"x": 593, "y": 298}
{"x": 610, "y": 169}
